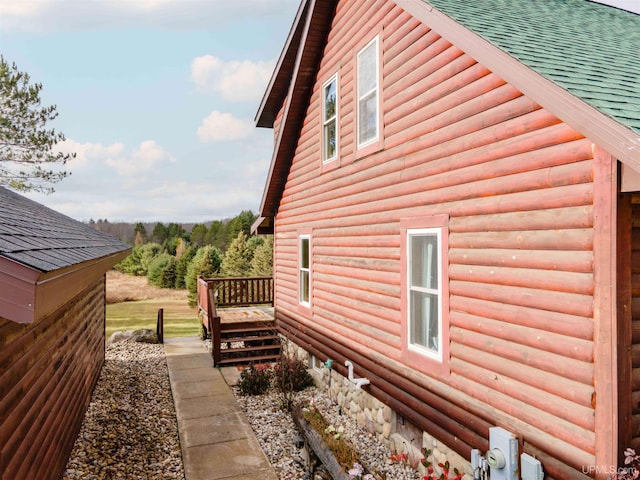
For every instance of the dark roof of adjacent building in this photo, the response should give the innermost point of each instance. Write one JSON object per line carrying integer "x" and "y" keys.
{"x": 589, "y": 49}
{"x": 45, "y": 240}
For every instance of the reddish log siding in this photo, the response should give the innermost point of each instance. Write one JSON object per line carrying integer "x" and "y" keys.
{"x": 517, "y": 184}
{"x": 48, "y": 370}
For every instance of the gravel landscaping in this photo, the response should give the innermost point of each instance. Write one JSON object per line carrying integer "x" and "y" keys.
{"x": 130, "y": 428}
{"x": 279, "y": 437}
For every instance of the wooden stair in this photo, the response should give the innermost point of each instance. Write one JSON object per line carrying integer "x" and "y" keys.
{"x": 248, "y": 342}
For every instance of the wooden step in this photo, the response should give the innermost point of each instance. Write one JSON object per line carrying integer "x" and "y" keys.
{"x": 272, "y": 346}
{"x": 250, "y": 338}
{"x": 247, "y": 329}
{"x": 248, "y": 360}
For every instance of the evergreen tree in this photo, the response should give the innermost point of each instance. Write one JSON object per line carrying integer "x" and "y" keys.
{"x": 159, "y": 234}
{"x": 157, "y": 272}
{"x": 262, "y": 260}
{"x": 148, "y": 252}
{"x": 206, "y": 264}
{"x": 241, "y": 223}
{"x": 181, "y": 247}
{"x": 181, "y": 266}
{"x": 253, "y": 242}
{"x": 168, "y": 275}
{"x": 131, "y": 264}
{"x": 139, "y": 230}
{"x": 26, "y": 146}
{"x": 216, "y": 235}
{"x": 199, "y": 234}
{"x": 139, "y": 240}
{"x": 175, "y": 231}
{"x": 237, "y": 258}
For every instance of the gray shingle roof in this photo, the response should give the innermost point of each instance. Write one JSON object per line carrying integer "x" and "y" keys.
{"x": 43, "y": 239}
{"x": 589, "y": 49}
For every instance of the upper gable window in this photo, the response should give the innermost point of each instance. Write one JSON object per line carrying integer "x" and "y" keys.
{"x": 368, "y": 93}
{"x": 329, "y": 119}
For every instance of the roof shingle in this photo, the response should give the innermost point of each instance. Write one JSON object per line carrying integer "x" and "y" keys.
{"x": 589, "y": 49}
{"x": 43, "y": 239}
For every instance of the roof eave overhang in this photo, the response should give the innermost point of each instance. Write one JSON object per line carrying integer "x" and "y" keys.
{"x": 316, "y": 23}
{"x": 263, "y": 226}
{"x": 27, "y": 294}
{"x": 617, "y": 139}
{"x": 279, "y": 83}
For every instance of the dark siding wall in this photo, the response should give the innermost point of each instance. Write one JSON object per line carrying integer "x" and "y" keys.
{"x": 635, "y": 325}
{"x": 47, "y": 373}
{"x": 517, "y": 184}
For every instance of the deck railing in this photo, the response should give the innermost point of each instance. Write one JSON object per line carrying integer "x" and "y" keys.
{"x": 258, "y": 343}
{"x": 236, "y": 291}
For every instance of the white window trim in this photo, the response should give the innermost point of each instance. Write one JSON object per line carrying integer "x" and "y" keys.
{"x": 301, "y": 269}
{"x": 315, "y": 363}
{"x": 411, "y": 346}
{"x": 325, "y": 121}
{"x": 359, "y": 95}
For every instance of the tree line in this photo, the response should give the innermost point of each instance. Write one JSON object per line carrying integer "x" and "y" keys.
{"x": 172, "y": 257}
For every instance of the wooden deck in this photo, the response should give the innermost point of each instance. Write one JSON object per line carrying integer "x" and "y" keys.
{"x": 252, "y": 313}
{"x": 243, "y": 329}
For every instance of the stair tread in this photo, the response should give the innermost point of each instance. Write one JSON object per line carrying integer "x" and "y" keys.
{"x": 224, "y": 339}
{"x": 248, "y": 329}
{"x": 247, "y": 360}
{"x": 251, "y": 349}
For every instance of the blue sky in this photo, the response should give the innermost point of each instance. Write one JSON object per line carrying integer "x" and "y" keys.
{"x": 156, "y": 97}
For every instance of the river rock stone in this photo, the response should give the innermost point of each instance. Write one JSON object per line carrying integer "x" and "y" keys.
{"x": 143, "y": 335}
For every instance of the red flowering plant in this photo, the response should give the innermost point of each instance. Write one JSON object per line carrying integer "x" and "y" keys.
{"x": 631, "y": 469}
{"x": 431, "y": 472}
{"x": 399, "y": 457}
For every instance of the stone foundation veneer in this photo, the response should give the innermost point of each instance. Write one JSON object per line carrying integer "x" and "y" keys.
{"x": 376, "y": 417}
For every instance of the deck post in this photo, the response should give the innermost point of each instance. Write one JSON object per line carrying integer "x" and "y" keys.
{"x": 213, "y": 322}
{"x": 160, "y": 325}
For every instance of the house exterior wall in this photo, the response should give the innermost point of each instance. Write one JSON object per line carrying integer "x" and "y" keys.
{"x": 632, "y": 336}
{"x": 48, "y": 370}
{"x": 516, "y": 187}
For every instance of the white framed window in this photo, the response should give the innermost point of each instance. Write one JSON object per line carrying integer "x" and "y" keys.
{"x": 314, "y": 362}
{"x": 424, "y": 295}
{"x": 304, "y": 270}
{"x": 330, "y": 119}
{"x": 368, "y": 93}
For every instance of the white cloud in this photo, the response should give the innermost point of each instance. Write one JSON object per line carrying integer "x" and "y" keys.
{"x": 88, "y": 153}
{"x": 142, "y": 159}
{"x": 220, "y": 127}
{"x": 24, "y": 8}
{"x": 235, "y": 80}
{"x": 65, "y": 15}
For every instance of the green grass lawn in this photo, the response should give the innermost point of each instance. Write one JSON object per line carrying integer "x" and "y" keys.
{"x": 180, "y": 320}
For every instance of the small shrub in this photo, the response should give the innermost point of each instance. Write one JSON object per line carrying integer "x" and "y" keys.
{"x": 254, "y": 380}
{"x": 292, "y": 375}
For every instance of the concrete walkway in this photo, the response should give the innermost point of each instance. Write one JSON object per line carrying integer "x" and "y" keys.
{"x": 216, "y": 439}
